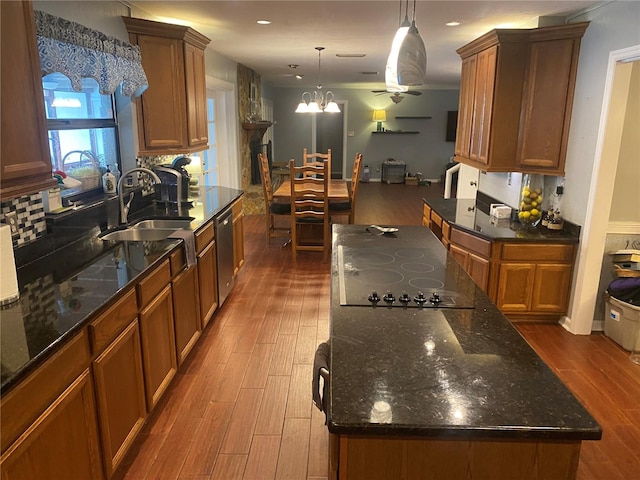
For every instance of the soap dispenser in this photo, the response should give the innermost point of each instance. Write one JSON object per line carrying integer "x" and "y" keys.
{"x": 109, "y": 181}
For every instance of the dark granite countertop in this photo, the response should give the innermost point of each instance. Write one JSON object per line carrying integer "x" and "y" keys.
{"x": 63, "y": 289}
{"x": 473, "y": 216}
{"x": 446, "y": 373}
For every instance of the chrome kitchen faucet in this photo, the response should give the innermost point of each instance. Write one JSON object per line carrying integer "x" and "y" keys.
{"x": 124, "y": 209}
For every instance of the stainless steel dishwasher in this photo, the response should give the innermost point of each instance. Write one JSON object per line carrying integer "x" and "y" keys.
{"x": 224, "y": 254}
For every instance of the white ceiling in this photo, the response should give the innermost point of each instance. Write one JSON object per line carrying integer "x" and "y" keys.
{"x": 346, "y": 27}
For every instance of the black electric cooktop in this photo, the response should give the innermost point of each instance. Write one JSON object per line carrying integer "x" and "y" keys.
{"x": 404, "y": 277}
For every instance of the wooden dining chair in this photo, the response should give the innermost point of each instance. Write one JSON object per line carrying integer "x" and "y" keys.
{"x": 316, "y": 159}
{"x": 272, "y": 209}
{"x": 309, "y": 209}
{"x": 349, "y": 207}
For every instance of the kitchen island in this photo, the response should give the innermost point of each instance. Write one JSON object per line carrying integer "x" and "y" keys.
{"x": 438, "y": 390}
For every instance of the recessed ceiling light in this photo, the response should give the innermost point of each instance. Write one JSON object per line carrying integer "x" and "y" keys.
{"x": 299, "y": 77}
{"x": 452, "y": 24}
{"x": 293, "y": 65}
{"x": 351, "y": 55}
{"x": 264, "y": 22}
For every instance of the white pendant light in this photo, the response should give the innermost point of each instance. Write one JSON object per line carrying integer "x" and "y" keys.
{"x": 317, "y": 102}
{"x": 407, "y": 62}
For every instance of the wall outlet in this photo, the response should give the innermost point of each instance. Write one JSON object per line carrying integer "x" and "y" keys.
{"x": 11, "y": 219}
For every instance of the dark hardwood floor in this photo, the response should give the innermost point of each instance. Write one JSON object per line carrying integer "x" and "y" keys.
{"x": 240, "y": 407}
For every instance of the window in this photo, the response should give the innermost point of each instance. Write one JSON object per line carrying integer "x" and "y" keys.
{"x": 82, "y": 131}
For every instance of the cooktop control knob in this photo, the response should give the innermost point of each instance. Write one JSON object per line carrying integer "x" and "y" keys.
{"x": 435, "y": 298}
{"x": 420, "y": 299}
{"x": 404, "y": 298}
{"x": 388, "y": 297}
{"x": 374, "y": 298}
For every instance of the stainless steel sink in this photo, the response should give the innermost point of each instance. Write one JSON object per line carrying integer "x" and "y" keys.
{"x": 173, "y": 223}
{"x": 139, "y": 234}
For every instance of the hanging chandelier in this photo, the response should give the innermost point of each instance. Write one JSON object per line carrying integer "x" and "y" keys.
{"x": 317, "y": 101}
{"x": 407, "y": 62}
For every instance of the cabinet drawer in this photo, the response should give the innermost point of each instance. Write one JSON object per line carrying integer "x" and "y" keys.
{"x": 108, "y": 325}
{"x": 435, "y": 218}
{"x": 177, "y": 261}
{"x": 537, "y": 253}
{"x": 22, "y": 405}
{"x": 204, "y": 237}
{"x": 471, "y": 242}
{"x": 153, "y": 284}
{"x": 446, "y": 231}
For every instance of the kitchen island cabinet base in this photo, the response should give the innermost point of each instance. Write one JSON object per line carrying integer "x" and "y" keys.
{"x": 385, "y": 458}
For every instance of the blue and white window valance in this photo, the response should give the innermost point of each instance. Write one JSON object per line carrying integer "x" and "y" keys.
{"x": 80, "y": 52}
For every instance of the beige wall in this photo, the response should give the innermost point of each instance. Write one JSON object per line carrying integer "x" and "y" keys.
{"x": 625, "y": 204}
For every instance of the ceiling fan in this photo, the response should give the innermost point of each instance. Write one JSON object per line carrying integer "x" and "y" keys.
{"x": 397, "y": 96}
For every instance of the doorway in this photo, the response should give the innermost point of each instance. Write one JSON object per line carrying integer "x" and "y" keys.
{"x": 592, "y": 249}
{"x": 328, "y": 131}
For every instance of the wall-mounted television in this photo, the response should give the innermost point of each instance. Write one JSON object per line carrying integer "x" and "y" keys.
{"x": 452, "y": 123}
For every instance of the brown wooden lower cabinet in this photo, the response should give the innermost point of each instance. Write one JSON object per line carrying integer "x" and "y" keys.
{"x": 62, "y": 443}
{"x": 158, "y": 346}
{"x": 207, "y": 283}
{"x": 391, "y": 458}
{"x": 473, "y": 254}
{"x": 186, "y": 311}
{"x": 426, "y": 216}
{"x": 476, "y": 266}
{"x": 526, "y": 280}
{"x": 533, "y": 281}
{"x": 120, "y": 395}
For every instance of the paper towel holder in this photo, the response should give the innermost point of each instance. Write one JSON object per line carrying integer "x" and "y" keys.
{"x": 9, "y": 291}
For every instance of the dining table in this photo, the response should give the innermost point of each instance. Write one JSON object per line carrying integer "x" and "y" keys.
{"x": 337, "y": 191}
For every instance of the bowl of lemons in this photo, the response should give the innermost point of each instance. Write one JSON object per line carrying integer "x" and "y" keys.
{"x": 530, "y": 209}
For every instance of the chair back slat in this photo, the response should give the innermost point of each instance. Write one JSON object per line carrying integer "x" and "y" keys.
{"x": 316, "y": 159}
{"x": 267, "y": 187}
{"x": 309, "y": 206}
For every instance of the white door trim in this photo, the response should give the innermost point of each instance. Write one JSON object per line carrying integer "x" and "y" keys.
{"x": 227, "y": 121}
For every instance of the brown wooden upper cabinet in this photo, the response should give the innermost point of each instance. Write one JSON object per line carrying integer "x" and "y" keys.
{"x": 25, "y": 163}
{"x": 516, "y": 95}
{"x": 172, "y": 112}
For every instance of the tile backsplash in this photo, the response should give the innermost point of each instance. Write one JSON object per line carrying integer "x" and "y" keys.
{"x": 30, "y": 214}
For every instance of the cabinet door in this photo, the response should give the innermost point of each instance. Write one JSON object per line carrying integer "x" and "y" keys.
{"x": 197, "y": 128}
{"x": 161, "y": 108}
{"x": 478, "y": 269}
{"x": 208, "y": 283}
{"x": 120, "y": 395}
{"x": 551, "y": 288}
{"x": 62, "y": 443}
{"x": 515, "y": 287}
{"x": 460, "y": 254}
{"x": 547, "y": 101}
{"x": 186, "y": 311}
{"x": 238, "y": 237}
{"x": 465, "y": 109}
{"x": 158, "y": 346}
{"x": 25, "y": 163}
{"x": 426, "y": 216}
{"x": 483, "y": 105}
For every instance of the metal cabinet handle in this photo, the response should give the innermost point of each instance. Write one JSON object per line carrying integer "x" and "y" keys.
{"x": 473, "y": 183}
